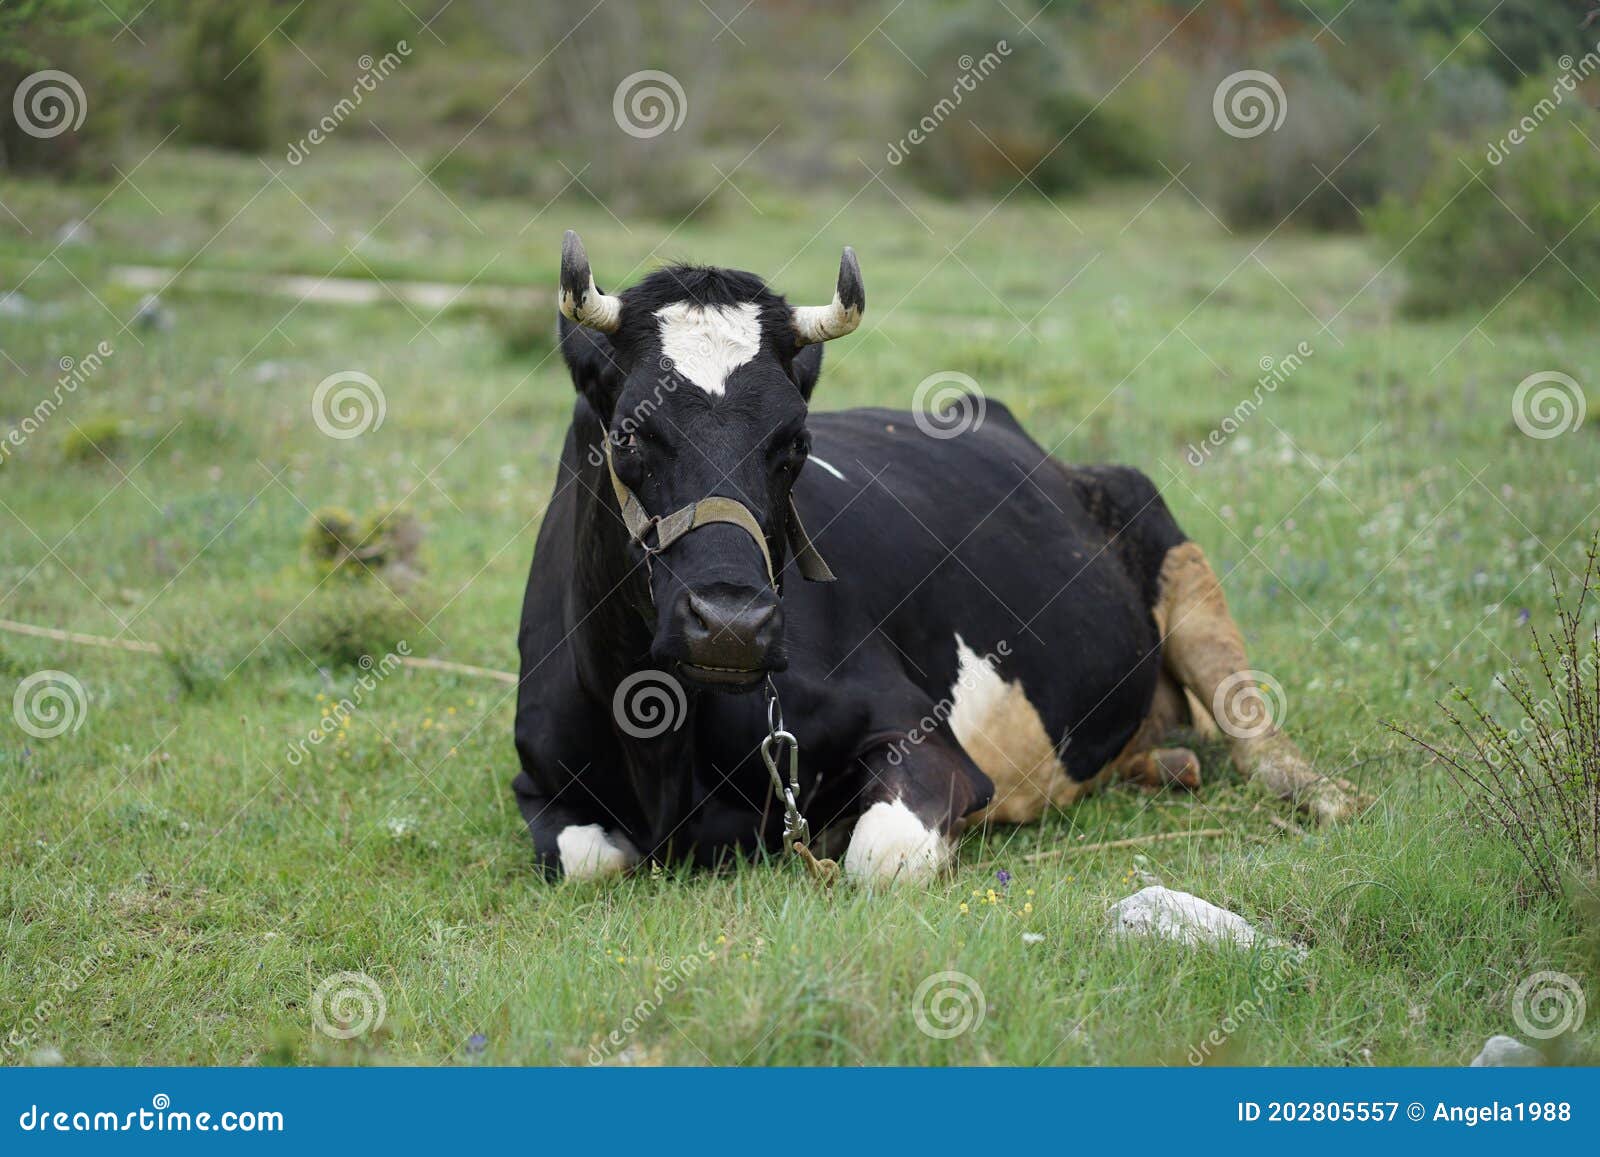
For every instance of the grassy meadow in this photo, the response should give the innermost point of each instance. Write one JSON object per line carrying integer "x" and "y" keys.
{"x": 175, "y": 885}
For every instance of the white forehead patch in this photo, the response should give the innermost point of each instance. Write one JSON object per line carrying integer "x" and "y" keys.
{"x": 708, "y": 342}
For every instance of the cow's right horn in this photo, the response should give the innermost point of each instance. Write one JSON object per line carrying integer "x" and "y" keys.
{"x": 814, "y": 323}
{"x": 580, "y": 300}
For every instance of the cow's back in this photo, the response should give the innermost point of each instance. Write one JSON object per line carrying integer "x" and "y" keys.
{"x": 1049, "y": 572}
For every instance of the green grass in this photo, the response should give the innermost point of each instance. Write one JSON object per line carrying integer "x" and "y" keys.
{"x": 1380, "y": 524}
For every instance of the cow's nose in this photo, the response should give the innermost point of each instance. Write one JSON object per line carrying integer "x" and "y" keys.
{"x": 730, "y": 629}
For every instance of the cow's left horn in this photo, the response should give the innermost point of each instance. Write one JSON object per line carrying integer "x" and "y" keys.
{"x": 580, "y": 300}
{"x": 814, "y": 323}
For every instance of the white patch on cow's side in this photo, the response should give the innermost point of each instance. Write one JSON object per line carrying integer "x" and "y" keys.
{"x": 828, "y": 466}
{"x": 589, "y": 852}
{"x": 1001, "y": 730}
{"x": 890, "y": 842}
{"x": 708, "y": 342}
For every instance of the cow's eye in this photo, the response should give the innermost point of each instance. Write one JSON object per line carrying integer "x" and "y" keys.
{"x": 625, "y": 440}
{"x": 801, "y": 445}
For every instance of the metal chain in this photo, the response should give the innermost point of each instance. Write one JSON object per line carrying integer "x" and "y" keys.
{"x": 795, "y": 828}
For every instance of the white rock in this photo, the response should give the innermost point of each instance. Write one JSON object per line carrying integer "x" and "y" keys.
{"x": 1504, "y": 1052}
{"x": 1173, "y": 915}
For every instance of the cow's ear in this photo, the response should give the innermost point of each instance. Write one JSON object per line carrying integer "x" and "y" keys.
{"x": 592, "y": 361}
{"x": 806, "y": 368}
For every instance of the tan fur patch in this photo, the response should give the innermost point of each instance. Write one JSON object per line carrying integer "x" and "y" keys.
{"x": 1002, "y": 732}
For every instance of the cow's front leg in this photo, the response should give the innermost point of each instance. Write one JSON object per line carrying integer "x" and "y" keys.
{"x": 914, "y": 802}
{"x": 569, "y": 843}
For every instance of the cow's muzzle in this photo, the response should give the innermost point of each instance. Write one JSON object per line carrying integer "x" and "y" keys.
{"x": 730, "y": 635}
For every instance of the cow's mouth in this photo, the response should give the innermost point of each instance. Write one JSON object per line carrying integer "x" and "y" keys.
{"x": 722, "y": 678}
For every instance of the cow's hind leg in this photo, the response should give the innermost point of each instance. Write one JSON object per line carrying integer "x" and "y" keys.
{"x": 1204, "y": 651}
{"x": 1144, "y": 760}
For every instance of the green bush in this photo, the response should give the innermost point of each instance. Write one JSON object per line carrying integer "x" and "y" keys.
{"x": 340, "y": 623}
{"x": 1466, "y": 240}
{"x": 1278, "y": 173}
{"x": 996, "y": 105}
{"x": 67, "y": 36}
{"x": 229, "y": 77}
{"x": 94, "y": 440}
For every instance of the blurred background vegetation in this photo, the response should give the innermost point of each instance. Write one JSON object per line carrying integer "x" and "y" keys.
{"x": 1392, "y": 105}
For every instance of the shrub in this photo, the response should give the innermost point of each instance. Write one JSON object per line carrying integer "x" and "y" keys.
{"x": 66, "y": 36}
{"x": 1538, "y": 783}
{"x": 1006, "y": 108}
{"x": 1278, "y": 174}
{"x": 387, "y": 540}
{"x": 342, "y": 623}
{"x": 94, "y": 440}
{"x": 229, "y": 77}
{"x": 1472, "y": 241}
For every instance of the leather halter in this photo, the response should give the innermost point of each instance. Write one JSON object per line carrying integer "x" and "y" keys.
{"x": 671, "y": 527}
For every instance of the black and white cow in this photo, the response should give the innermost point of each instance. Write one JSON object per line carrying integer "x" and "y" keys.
{"x": 1005, "y": 633}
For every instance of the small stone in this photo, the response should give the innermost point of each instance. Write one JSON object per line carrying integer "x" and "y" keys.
{"x": 1173, "y": 915}
{"x": 75, "y": 233}
{"x": 1504, "y": 1052}
{"x": 152, "y": 315}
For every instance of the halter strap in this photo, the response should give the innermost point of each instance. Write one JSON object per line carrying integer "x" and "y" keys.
{"x": 670, "y": 528}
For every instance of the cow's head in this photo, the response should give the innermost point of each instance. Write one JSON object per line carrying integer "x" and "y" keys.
{"x": 701, "y": 377}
